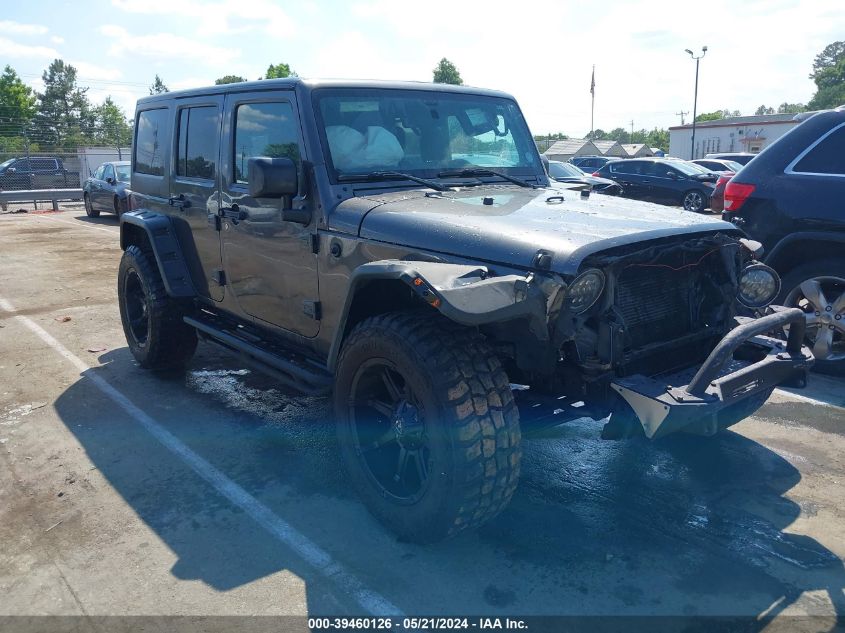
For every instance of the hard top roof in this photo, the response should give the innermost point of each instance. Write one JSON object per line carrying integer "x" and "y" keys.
{"x": 313, "y": 84}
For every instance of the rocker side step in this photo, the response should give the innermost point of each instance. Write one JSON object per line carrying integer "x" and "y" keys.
{"x": 288, "y": 367}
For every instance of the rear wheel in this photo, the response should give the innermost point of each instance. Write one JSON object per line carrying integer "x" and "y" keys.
{"x": 152, "y": 321}
{"x": 90, "y": 211}
{"x": 693, "y": 200}
{"x": 818, "y": 288}
{"x": 427, "y": 426}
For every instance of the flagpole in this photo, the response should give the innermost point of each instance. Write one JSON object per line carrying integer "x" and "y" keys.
{"x": 593, "y": 106}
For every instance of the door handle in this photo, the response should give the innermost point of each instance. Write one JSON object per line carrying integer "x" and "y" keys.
{"x": 234, "y": 213}
{"x": 179, "y": 201}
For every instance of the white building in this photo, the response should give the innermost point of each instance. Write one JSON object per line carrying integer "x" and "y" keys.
{"x": 734, "y": 134}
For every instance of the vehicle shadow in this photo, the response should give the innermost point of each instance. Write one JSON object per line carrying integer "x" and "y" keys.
{"x": 697, "y": 526}
{"x": 687, "y": 527}
{"x": 105, "y": 218}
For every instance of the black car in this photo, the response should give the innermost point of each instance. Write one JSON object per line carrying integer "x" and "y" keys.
{"x": 107, "y": 189}
{"x": 569, "y": 173}
{"x": 792, "y": 199}
{"x": 674, "y": 182}
{"x": 36, "y": 172}
{"x": 399, "y": 246}
{"x": 589, "y": 164}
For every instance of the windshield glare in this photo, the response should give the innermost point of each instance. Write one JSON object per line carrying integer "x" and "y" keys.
{"x": 690, "y": 169}
{"x": 122, "y": 172}
{"x": 423, "y": 132}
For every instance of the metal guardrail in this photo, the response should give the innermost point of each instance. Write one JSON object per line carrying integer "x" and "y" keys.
{"x": 41, "y": 195}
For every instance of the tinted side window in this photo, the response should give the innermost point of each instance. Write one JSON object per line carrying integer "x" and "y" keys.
{"x": 626, "y": 168}
{"x": 197, "y": 155}
{"x": 828, "y": 157}
{"x": 98, "y": 175}
{"x": 150, "y": 137}
{"x": 264, "y": 129}
{"x": 43, "y": 164}
{"x": 108, "y": 172}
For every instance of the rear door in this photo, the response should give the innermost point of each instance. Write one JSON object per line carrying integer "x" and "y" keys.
{"x": 629, "y": 174}
{"x": 103, "y": 198}
{"x": 194, "y": 189}
{"x": 270, "y": 263}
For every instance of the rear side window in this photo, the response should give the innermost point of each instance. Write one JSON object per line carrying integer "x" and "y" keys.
{"x": 625, "y": 168}
{"x": 197, "y": 154}
{"x": 264, "y": 129}
{"x": 828, "y": 157}
{"x": 43, "y": 164}
{"x": 150, "y": 137}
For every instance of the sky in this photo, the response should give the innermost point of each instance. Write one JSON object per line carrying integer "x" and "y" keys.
{"x": 542, "y": 52}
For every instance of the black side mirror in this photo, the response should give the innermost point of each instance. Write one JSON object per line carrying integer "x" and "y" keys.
{"x": 672, "y": 175}
{"x": 110, "y": 180}
{"x": 272, "y": 177}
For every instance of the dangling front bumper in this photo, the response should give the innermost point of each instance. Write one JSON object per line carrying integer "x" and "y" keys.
{"x": 703, "y": 399}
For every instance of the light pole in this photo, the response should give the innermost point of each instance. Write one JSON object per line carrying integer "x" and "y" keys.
{"x": 695, "y": 99}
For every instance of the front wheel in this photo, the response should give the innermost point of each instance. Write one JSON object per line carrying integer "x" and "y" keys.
{"x": 694, "y": 201}
{"x": 427, "y": 425}
{"x": 90, "y": 211}
{"x": 818, "y": 288}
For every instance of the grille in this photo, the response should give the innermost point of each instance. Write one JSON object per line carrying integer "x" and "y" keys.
{"x": 655, "y": 303}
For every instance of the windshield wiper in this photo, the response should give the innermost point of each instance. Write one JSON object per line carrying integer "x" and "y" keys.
{"x": 479, "y": 171}
{"x": 391, "y": 175}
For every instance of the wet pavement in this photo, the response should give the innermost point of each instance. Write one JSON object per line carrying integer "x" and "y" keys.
{"x": 97, "y": 516}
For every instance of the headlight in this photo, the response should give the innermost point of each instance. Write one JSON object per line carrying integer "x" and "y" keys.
{"x": 584, "y": 291}
{"x": 758, "y": 286}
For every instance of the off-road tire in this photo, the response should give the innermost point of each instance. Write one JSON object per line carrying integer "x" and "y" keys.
{"x": 476, "y": 448}
{"x": 90, "y": 211}
{"x": 833, "y": 267}
{"x": 170, "y": 342}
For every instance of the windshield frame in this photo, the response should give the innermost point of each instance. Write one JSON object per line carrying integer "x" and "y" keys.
{"x": 537, "y": 171}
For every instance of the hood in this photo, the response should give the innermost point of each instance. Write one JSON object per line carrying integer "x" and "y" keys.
{"x": 517, "y": 224}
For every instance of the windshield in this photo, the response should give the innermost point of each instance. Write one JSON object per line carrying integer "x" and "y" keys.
{"x": 423, "y": 133}
{"x": 732, "y": 164}
{"x": 122, "y": 172}
{"x": 564, "y": 170}
{"x": 6, "y": 163}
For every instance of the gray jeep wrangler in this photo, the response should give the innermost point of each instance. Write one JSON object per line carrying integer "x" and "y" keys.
{"x": 399, "y": 245}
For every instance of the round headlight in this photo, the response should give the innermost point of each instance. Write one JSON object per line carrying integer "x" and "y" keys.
{"x": 584, "y": 291}
{"x": 758, "y": 286}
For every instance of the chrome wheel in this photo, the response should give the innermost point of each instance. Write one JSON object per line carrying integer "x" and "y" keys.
{"x": 823, "y": 301}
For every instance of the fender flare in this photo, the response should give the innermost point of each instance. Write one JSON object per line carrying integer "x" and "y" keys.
{"x": 792, "y": 238}
{"x": 464, "y": 294}
{"x": 166, "y": 249}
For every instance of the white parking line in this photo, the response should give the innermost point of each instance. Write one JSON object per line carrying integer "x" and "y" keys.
{"x": 309, "y": 551}
{"x": 807, "y": 399}
{"x": 79, "y": 224}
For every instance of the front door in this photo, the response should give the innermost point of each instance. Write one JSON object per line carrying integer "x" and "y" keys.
{"x": 270, "y": 264}
{"x": 194, "y": 194}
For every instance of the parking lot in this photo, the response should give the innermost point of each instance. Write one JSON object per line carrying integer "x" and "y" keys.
{"x": 217, "y": 492}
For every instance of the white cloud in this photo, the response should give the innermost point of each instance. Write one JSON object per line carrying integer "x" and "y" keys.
{"x": 10, "y": 48}
{"x": 227, "y": 17}
{"x": 16, "y": 28}
{"x": 57, "y": 39}
{"x": 95, "y": 71}
{"x": 165, "y": 46}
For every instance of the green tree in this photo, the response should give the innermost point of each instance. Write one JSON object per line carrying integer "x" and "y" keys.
{"x": 764, "y": 110}
{"x": 65, "y": 117}
{"x": 447, "y": 73}
{"x": 111, "y": 127}
{"x": 716, "y": 115}
{"x": 279, "y": 71}
{"x": 791, "y": 108}
{"x": 596, "y": 135}
{"x": 17, "y": 100}
{"x": 657, "y": 138}
{"x": 229, "y": 79}
{"x": 618, "y": 134}
{"x": 158, "y": 86}
{"x": 829, "y": 76}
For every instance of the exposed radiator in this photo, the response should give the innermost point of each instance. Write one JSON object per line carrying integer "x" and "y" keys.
{"x": 656, "y": 303}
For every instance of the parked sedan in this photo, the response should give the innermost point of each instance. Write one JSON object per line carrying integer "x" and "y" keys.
{"x": 743, "y": 158}
{"x": 663, "y": 181}
{"x": 107, "y": 189}
{"x": 567, "y": 172}
{"x": 590, "y": 164}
